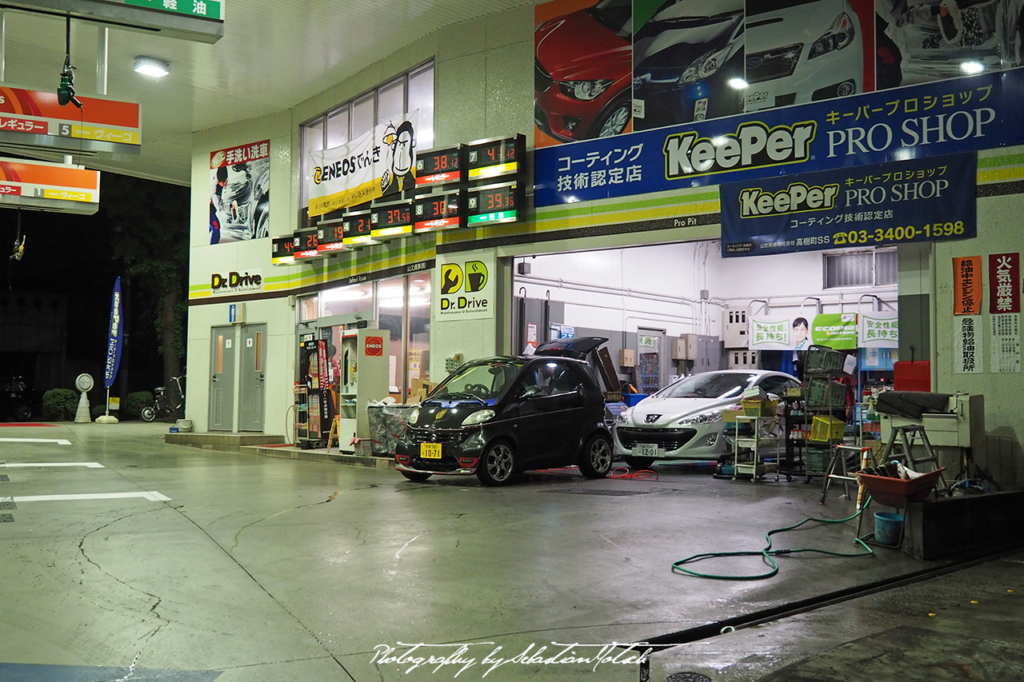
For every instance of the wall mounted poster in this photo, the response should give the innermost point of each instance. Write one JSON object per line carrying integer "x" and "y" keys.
{"x": 240, "y": 193}
{"x": 466, "y": 291}
{"x": 834, "y": 330}
{"x": 967, "y": 288}
{"x": 968, "y": 356}
{"x": 1004, "y": 304}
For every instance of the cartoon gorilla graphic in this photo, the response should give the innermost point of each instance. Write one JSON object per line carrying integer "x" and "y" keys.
{"x": 401, "y": 175}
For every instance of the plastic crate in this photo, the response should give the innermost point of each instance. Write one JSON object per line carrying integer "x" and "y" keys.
{"x": 829, "y": 394}
{"x": 816, "y": 460}
{"x": 759, "y": 408}
{"x": 825, "y": 429}
{"x": 822, "y": 360}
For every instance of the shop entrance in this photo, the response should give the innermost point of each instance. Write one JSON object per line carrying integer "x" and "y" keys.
{"x": 650, "y": 368}
{"x": 252, "y": 380}
{"x": 222, "y": 378}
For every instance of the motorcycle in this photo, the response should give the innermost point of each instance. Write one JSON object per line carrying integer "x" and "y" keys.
{"x": 162, "y": 406}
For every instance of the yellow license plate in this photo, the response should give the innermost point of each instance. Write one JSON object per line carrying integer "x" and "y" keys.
{"x": 430, "y": 450}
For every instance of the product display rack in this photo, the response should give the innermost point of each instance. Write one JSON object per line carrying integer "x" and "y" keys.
{"x": 756, "y": 443}
{"x": 822, "y": 396}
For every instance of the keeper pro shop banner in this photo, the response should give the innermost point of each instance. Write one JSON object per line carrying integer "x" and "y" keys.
{"x": 240, "y": 193}
{"x": 375, "y": 164}
{"x": 913, "y": 201}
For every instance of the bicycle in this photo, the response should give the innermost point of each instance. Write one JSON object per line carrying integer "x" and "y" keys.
{"x": 161, "y": 406}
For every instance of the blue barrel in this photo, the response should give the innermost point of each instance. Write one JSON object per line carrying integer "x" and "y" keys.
{"x": 888, "y": 528}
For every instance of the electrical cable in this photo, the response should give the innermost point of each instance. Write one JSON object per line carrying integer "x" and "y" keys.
{"x": 767, "y": 553}
{"x": 641, "y": 474}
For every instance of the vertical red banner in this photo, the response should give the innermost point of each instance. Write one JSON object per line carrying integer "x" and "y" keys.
{"x": 1004, "y": 282}
{"x": 967, "y": 288}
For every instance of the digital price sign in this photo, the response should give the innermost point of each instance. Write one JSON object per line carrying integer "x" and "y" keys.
{"x": 493, "y": 158}
{"x": 304, "y": 243}
{"x": 356, "y": 228}
{"x": 493, "y": 204}
{"x": 281, "y": 249}
{"x": 438, "y": 167}
{"x": 437, "y": 212}
{"x": 388, "y": 221}
{"x": 330, "y": 236}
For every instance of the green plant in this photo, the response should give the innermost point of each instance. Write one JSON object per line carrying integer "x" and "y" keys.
{"x": 97, "y": 411}
{"x": 133, "y": 404}
{"x": 60, "y": 404}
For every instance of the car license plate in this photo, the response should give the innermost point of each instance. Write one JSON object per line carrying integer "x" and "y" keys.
{"x": 430, "y": 450}
{"x": 646, "y": 450}
{"x": 700, "y": 110}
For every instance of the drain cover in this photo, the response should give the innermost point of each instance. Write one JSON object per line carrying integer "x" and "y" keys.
{"x": 4, "y": 478}
{"x": 687, "y": 677}
{"x": 606, "y": 493}
{"x": 6, "y": 518}
{"x": 8, "y": 504}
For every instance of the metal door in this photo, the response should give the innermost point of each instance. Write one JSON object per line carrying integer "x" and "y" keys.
{"x": 251, "y": 382}
{"x": 222, "y": 378}
{"x": 651, "y": 371}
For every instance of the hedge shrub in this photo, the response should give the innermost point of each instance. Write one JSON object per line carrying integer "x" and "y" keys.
{"x": 60, "y": 404}
{"x": 132, "y": 406}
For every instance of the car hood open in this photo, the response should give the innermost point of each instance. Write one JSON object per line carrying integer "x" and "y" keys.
{"x": 577, "y": 348}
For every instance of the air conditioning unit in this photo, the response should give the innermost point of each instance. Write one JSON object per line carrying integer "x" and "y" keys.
{"x": 736, "y": 328}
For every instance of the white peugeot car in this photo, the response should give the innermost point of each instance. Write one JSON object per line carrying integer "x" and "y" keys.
{"x": 801, "y": 51}
{"x": 684, "y": 420}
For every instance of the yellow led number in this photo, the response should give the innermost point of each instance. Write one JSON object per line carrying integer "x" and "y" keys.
{"x": 898, "y": 234}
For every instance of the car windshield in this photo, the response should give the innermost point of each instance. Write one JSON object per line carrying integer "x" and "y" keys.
{"x": 484, "y": 381}
{"x": 765, "y": 6}
{"x": 708, "y": 385}
{"x": 616, "y": 15}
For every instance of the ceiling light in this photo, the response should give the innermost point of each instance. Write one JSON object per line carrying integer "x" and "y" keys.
{"x": 737, "y": 83}
{"x": 971, "y": 68}
{"x": 152, "y": 67}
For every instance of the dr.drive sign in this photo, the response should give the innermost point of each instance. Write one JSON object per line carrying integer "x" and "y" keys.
{"x": 465, "y": 291}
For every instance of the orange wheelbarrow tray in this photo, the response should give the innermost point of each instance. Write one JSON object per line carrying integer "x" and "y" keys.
{"x": 896, "y": 492}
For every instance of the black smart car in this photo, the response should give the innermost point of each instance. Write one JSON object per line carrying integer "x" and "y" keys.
{"x": 499, "y": 416}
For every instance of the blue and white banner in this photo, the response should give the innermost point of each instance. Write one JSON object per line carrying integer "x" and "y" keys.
{"x": 916, "y": 122}
{"x": 114, "y": 336}
{"x": 931, "y": 199}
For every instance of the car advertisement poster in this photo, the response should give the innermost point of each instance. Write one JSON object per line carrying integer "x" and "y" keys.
{"x": 925, "y": 200}
{"x": 240, "y": 193}
{"x": 375, "y": 164}
{"x": 583, "y": 69}
{"x": 466, "y": 291}
{"x": 833, "y": 330}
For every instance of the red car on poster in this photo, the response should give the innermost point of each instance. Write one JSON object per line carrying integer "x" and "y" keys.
{"x": 583, "y": 72}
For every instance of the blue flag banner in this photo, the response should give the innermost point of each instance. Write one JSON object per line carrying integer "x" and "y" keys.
{"x": 932, "y": 199}
{"x": 114, "y": 337}
{"x": 914, "y": 122}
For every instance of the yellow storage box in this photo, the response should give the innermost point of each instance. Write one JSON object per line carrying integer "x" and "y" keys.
{"x": 825, "y": 429}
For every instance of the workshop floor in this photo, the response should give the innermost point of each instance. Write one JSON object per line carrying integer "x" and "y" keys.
{"x": 230, "y": 567}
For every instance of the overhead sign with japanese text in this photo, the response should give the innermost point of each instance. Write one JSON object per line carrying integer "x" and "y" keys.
{"x": 198, "y": 20}
{"x": 101, "y": 125}
{"x": 932, "y": 199}
{"x": 50, "y": 186}
{"x": 915, "y": 122}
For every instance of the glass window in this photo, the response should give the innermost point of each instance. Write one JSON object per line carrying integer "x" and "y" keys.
{"x": 486, "y": 380}
{"x": 391, "y": 101}
{"x": 390, "y": 306}
{"x": 419, "y": 327}
{"x": 337, "y": 128}
{"x": 421, "y": 98}
{"x": 709, "y": 385}
{"x": 306, "y": 309}
{"x": 312, "y": 141}
{"x": 363, "y": 115}
{"x": 347, "y": 300}
{"x": 860, "y": 269}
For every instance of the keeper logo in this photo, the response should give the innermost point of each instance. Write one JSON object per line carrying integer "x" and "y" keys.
{"x": 797, "y": 198}
{"x": 753, "y": 145}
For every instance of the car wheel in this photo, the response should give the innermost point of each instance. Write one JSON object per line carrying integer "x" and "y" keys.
{"x": 596, "y": 459}
{"x": 22, "y": 413}
{"x": 639, "y": 462}
{"x": 415, "y": 476}
{"x": 497, "y": 465}
{"x": 148, "y": 414}
{"x": 615, "y": 120}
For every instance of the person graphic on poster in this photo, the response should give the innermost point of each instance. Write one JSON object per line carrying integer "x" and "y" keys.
{"x": 399, "y": 175}
{"x": 217, "y": 203}
{"x": 801, "y": 333}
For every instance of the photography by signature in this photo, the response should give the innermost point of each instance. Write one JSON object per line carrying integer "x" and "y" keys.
{"x": 457, "y": 657}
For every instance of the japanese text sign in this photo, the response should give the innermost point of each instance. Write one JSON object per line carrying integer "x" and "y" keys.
{"x": 931, "y": 199}
{"x": 100, "y": 125}
{"x": 967, "y": 288}
{"x": 1004, "y": 282}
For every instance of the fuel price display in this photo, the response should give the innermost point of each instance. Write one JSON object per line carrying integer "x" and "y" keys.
{"x": 493, "y": 204}
{"x": 330, "y": 237}
{"x": 281, "y": 249}
{"x": 436, "y": 212}
{"x": 388, "y": 221}
{"x": 437, "y": 167}
{"x": 493, "y": 158}
{"x": 304, "y": 244}
{"x": 356, "y": 228}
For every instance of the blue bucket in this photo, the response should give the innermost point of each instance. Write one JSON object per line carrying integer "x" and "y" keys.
{"x": 888, "y": 528}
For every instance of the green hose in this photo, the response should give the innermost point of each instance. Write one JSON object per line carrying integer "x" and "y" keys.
{"x": 767, "y": 553}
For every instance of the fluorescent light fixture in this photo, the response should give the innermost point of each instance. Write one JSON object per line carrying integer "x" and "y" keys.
{"x": 972, "y": 67}
{"x": 737, "y": 83}
{"x": 149, "y": 66}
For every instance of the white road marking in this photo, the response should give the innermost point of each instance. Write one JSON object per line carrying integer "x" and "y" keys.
{"x": 151, "y": 495}
{"x": 398, "y": 554}
{"x": 58, "y": 441}
{"x": 27, "y": 465}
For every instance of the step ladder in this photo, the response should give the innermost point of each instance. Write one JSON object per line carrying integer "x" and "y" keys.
{"x": 907, "y": 440}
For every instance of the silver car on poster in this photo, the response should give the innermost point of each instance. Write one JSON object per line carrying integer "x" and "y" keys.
{"x": 684, "y": 420}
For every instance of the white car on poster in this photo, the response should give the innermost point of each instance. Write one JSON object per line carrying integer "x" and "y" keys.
{"x": 684, "y": 420}
{"x": 800, "y": 51}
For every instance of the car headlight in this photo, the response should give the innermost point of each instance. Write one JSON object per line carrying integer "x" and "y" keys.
{"x": 839, "y": 35}
{"x": 704, "y": 66}
{"x": 414, "y": 416}
{"x": 478, "y": 417}
{"x": 703, "y": 418}
{"x": 623, "y": 417}
{"x": 584, "y": 90}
